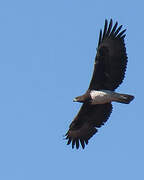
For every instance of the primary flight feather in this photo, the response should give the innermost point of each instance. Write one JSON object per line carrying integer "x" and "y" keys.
{"x": 109, "y": 71}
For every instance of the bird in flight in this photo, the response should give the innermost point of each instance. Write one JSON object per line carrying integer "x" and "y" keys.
{"x": 109, "y": 71}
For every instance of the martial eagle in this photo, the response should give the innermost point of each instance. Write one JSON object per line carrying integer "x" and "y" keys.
{"x": 109, "y": 71}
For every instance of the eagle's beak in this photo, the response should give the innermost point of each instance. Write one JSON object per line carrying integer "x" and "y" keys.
{"x": 74, "y": 100}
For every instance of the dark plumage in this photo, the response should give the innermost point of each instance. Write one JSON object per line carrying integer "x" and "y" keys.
{"x": 109, "y": 71}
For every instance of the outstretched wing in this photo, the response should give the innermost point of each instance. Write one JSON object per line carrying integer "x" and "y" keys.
{"x": 85, "y": 124}
{"x": 111, "y": 58}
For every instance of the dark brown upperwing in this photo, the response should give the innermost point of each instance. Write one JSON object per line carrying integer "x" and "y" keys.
{"x": 111, "y": 59}
{"x": 83, "y": 127}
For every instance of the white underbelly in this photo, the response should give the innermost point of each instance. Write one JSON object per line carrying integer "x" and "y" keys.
{"x": 101, "y": 97}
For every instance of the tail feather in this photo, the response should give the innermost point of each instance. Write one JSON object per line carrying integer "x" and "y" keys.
{"x": 124, "y": 98}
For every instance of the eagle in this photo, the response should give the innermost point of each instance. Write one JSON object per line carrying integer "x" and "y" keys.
{"x": 109, "y": 71}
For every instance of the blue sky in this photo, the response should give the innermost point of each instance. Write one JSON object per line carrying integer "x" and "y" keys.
{"x": 46, "y": 59}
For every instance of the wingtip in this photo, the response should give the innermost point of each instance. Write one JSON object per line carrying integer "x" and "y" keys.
{"x": 76, "y": 142}
{"x": 106, "y": 21}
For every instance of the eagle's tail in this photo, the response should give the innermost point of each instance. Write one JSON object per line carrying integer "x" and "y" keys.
{"x": 124, "y": 98}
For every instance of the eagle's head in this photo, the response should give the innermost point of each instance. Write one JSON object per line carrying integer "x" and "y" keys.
{"x": 84, "y": 98}
{"x": 78, "y": 99}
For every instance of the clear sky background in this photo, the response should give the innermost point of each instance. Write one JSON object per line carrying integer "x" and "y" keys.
{"x": 47, "y": 51}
